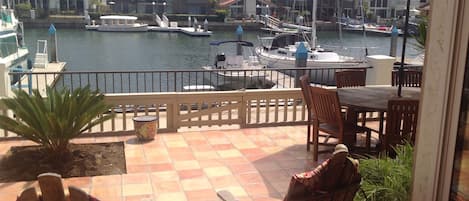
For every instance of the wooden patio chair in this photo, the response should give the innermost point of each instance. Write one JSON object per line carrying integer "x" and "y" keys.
{"x": 51, "y": 189}
{"x": 304, "y": 82}
{"x": 350, "y": 78}
{"x": 411, "y": 78}
{"x": 401, "y": 123}
{"x": 328, "y": 118}
{"x": 355, "y": 78}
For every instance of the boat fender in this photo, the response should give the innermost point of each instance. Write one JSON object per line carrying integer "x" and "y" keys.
{"x": 29, "y": 64}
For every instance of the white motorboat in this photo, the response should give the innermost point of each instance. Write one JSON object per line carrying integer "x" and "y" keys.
{"x": 13, "y": 53}
{"x": 236, "y": 71}
{"x": 118, "y": 23}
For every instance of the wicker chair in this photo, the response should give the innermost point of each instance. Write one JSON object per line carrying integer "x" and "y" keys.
{"x": 53, "y": 190}
{"x": 411, "y": 78}
{"x": 401, "y": 123}
{"x": 328, "y": 119}
{"x": 336, "y": 179}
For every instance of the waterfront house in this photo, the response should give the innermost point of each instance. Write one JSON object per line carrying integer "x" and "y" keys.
{"x": 238, "y": 9}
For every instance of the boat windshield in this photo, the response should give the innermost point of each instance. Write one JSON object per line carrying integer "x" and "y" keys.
{"x": 225, "y": 50}
{"x": 282, "y": 40}
{"x": 8, "y": 45}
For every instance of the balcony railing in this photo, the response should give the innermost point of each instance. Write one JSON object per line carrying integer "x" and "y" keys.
{"x": 175, "y": 80}
{"x": 176, "y": 110}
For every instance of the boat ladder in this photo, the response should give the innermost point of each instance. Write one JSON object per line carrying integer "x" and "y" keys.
{"x": 41, "y": 60}
{"x": 165, "y": 20}
{"x": 270, "y": 22}
{"x": 161, "y": 22}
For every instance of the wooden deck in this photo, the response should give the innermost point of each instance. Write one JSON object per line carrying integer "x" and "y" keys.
{"x": 41, "y": 81}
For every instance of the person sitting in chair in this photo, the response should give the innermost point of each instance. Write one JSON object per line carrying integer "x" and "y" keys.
{"x": 338, "y": 174}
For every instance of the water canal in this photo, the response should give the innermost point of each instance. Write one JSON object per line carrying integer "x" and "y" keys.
{"x": 88, "y": 50}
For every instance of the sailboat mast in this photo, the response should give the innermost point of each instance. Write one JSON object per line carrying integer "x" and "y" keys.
{"x": 339, "y": 19}
{"x": 313, "y": 25}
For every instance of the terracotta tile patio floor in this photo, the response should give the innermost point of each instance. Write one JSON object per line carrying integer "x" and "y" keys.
{"x": 253, "y": 164}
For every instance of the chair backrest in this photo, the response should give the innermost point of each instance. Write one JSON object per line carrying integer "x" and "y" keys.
{"x": 52, "y": 190}
{"x": 411, "y": 78}
{"x": 401, "y": 123}
{"x": 304, "y": 83}
{"x": 350, "y": 78}
{"x": 326, "y": 106}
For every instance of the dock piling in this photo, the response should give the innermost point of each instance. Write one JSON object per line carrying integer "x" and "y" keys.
{"x": 5, "y": 90}
{"x": 53, "y": 42}
{"x": 301, "y": 57}
{"x": 239, "y": 34}
{"x": 394, "y": 34}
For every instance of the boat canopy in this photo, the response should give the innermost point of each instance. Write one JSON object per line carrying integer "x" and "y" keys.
{"x": 241, "y": 42}
{"x": 117, "y": 17}
{"x": 283, "y": 40}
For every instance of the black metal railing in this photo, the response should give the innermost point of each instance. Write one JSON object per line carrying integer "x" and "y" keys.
{"x": 175, "y": 80}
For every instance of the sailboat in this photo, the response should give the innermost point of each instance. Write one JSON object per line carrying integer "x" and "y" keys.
{"x": 279, "y": 51}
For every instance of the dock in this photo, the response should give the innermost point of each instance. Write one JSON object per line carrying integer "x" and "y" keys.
{"x": 280, "y": 79}
{"x": 41, "y": 81}
{"x": 186, "y": 30}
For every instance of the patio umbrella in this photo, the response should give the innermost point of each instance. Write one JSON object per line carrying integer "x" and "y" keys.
{"x": 401, "y": 68}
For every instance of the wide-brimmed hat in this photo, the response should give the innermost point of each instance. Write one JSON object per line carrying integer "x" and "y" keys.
{"x": 340, "y": 148}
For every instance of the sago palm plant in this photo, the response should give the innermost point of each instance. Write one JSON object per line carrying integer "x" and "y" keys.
{"x": 54, "y": 120}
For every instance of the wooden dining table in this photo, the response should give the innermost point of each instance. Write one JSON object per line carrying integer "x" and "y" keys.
{"x": 373, "y": 98}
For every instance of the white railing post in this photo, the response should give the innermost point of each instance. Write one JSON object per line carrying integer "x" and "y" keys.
{"x": 5, "y": 86}
{"x": 380, "y": 73}
{"x": 242, "y": 111}
{"x": 171, "y": 119}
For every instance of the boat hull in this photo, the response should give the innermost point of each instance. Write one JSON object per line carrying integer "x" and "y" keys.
{"x": 232, "y": 80}
{"x": 274, "y": 61}
{"x": 118, "y": 28}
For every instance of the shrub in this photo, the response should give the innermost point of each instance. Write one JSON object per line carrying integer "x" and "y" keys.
{"x": 54, "y": 120}
{"x": 22, "y": 10}
{"x": 23, "y": 7}
{"x": 385, "y": 178}
{"x": 422, "y": 34}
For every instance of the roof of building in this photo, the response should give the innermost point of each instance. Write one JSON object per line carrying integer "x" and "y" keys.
{"x": 226, "y": 3}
